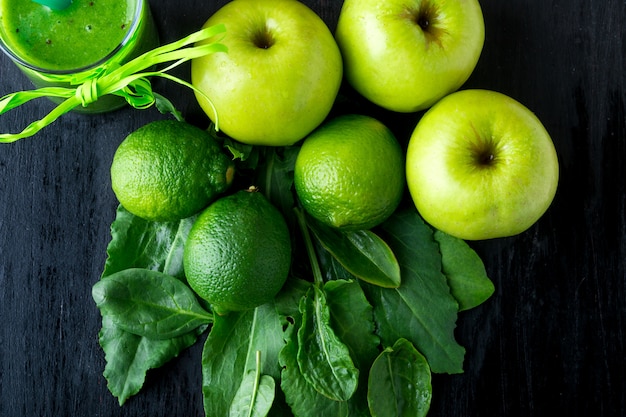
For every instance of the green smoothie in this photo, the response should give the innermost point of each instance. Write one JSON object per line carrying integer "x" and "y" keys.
{"x": 78, "y": 36}
{"x": 65, "y": 47}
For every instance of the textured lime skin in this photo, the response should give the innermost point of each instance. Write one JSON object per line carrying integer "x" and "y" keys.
{"x": 349, "y": 173}
{"x": 238, "y": 252}
{"x": 169, "y": 170}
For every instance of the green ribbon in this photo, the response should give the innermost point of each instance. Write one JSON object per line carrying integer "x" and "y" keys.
{"x": 126, "y": 80}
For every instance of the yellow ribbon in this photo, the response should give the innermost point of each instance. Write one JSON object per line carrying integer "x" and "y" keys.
{"x": 126, "y": 81}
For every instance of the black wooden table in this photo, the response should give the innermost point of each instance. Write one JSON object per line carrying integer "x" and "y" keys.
{"x": 549, "y": 342}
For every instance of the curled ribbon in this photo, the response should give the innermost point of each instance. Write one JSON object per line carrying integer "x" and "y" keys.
{"x": 126, "y": 81}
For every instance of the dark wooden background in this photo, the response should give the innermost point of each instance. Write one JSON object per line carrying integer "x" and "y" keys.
{"x": 549, "y": 342}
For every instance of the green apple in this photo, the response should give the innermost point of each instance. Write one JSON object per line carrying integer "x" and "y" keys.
{"x": 481, "y": 165}
{"x": 404, "y": 55}
{"x": 280, "y": 77}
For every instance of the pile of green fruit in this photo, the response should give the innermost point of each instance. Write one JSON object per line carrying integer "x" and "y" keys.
{"x": 287, "y": 237}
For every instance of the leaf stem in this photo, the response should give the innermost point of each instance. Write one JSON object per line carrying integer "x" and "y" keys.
{"x": 257, "y": 378}
{"x": 268, "y": 174}
{"x": 315, "y": 266}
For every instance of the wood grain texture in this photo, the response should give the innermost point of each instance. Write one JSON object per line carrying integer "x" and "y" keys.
{"x": 551, "y": 339}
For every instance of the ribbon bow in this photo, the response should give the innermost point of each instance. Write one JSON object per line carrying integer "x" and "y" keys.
{"x": 127, "y": 81}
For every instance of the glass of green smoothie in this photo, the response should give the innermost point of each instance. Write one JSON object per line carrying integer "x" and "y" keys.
{"x": 67, "y": 46}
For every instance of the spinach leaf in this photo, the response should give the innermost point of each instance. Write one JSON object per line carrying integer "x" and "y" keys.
{"x": 165, "y": 106}
{"x": 352, "y": 318}
{"x": 229, "y": 353}
{"x": 399, "y": 382}
{"x": 287, "y": 301}
{"x": 362, "y": 253}
{"x": 128, "y": 356}
{"x": 255, "y": 395}
{"x": 247, "y": 155}
{"x": 465, "y": 271}
{"x": 275, "y": 179}
{"x": 138, "y": 243}
{"x": 149, "y": 303}
{"x": 422, "y": 308}
{"x": 303, "y": 399}
{"x": 324, "y": 360}
{"x": 331, "y": 269}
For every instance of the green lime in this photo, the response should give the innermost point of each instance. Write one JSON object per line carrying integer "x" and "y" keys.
{"x": 169, "y": 170}
{"x": 349, "y": 173}
{"x": 238, "y": 252}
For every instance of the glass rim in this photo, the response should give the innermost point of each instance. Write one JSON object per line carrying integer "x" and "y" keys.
{"x": 132, "y": 29}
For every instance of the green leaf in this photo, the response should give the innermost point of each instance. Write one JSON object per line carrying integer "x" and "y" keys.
{"x": 138, "y": 243}
{"x": 229, "y": 354}
{"x": 465, "y": 271}
{"x": 352, "y": 319}
{"x": 324, "y": 360}
{"x": 422, "y": 309}
{"x": 331, "y": 269}
{"x": 303, "y": 399}
{"x": 287, "y": 301}
{"x": 275, "y": 178}
{"x": 149, "y": 303}
{"x": 254, "y": 398}
{"x": 255, "y": 395}
{"x": 399, "y": 383}
{"x": 128, "y": 357}
{"x": 165, "y": 106}
{"x": 363, "y": 253}
{"x": 247, "y": 156}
